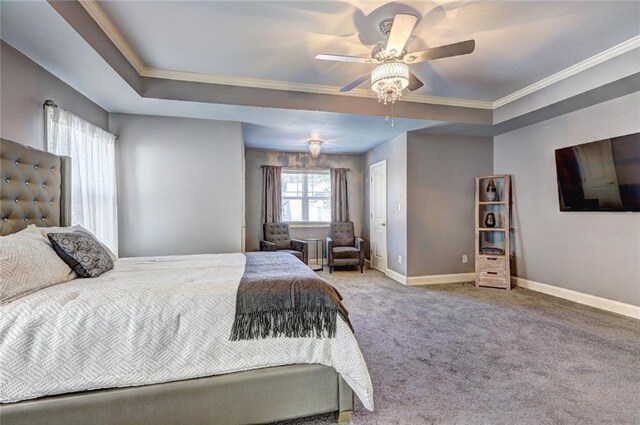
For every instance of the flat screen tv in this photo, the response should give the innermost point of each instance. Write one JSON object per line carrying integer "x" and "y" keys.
{"x": 600, "y": 176}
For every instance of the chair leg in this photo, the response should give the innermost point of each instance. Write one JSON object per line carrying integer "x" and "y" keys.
{"x": 361, "y": 268}
{"x": 330, "y": 269}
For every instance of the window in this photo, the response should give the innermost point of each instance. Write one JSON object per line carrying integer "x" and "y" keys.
{"x": 306, "y": 196}
{"x": 93, "y": 174}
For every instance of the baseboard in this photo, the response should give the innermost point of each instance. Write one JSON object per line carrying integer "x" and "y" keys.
{"x": 618, "y": 307}
{"x": 441, "y": 278}
{"x": 400, "y": 278}
{"x": 432, "y": 279}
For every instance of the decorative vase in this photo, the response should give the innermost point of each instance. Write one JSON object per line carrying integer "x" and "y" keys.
{"x": 490, "y": 220}
{"x": 492, "y": 193}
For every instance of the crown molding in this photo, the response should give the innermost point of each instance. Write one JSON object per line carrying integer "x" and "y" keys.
{"x": 624, "y": 47}
{"x": 300, "y": 87}
{"x": 103, "y": 21}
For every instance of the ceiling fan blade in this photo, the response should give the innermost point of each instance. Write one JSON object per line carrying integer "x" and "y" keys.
{"x": 400, "y": 32}
{"x": 414, "y": 82}
{"x": 344, "y": 58}
{"x": 455, "y": 49}
{"x": 355, "y": 83}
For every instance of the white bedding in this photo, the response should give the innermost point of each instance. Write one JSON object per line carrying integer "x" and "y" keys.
{"x": 149, "y": 320}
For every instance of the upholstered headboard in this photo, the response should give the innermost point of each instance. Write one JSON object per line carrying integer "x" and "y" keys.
{"x": 35, "y": 188}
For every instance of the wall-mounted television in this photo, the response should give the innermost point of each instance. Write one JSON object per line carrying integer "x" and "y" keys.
{"x": 600, "y": 176}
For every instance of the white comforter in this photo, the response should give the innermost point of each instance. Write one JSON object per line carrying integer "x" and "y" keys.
{"x": 149, "y": 320}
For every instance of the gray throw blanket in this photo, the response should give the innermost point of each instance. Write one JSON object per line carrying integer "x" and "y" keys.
{"x": 280, "y": 296}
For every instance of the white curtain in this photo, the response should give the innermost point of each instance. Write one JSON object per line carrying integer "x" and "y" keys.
{"x": 93, "y": 172}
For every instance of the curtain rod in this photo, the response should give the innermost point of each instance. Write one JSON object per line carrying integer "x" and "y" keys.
{"x": 300, "y": 168}
{"x": 53, "y": 104}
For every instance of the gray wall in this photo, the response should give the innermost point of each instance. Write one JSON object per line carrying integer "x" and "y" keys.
{"x": 179, "y": 185}
{"x": 255, "y": 157}
{"x": 591, "y": 252}
{"x": 24, "y": 87}
{"x": 441, "y": 173}
{"x": 395, "y": 153}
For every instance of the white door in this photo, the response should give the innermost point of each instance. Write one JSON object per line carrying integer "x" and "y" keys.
{"x": 378, "y": 215}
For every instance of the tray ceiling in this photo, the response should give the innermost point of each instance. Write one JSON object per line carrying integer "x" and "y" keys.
{"x": 39, "y": 32}
{"x": 517, "y": 43}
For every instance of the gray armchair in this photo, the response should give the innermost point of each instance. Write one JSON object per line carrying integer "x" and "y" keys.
{"x": 343, "y": 248}
{"x": 276, "y": 238}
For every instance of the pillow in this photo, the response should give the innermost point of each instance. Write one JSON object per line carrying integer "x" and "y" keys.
{"x": 82, "y": 252}
{"x": 27, "y": 264}
{"x": 75, "y": 228}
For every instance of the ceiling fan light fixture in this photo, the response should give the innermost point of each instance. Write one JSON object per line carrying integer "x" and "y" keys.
{"x": 315, "y": 146}
{"x": 389, "y": 80}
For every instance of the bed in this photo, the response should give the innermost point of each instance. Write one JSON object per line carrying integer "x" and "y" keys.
{"x": 154, "y": 335}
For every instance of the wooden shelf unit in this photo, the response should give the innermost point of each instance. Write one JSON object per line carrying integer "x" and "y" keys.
{"x": 493, "y": 270}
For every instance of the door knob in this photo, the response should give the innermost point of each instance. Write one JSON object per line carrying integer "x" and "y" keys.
{"x": 383, "y": 224}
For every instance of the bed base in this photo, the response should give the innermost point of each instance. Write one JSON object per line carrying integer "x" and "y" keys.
{"x": 252, "y": 397}
{"x": 255, "y": 396}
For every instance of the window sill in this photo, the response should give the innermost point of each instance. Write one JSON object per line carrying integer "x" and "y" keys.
{"x": 309, "y": 225}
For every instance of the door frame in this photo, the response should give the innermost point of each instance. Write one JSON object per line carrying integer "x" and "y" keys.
{"x": 386, "y": 215}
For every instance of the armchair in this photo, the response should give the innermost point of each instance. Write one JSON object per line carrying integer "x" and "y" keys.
{"x": 343, "y": 248}
{"x": 276, "y": 238}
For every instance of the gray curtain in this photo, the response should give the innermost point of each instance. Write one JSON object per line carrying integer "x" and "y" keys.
{"x": 271, "y": 194}
{"x": 339, "y": 195}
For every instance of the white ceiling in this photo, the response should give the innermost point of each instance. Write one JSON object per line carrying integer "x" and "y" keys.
{"x": 37, "y": 30}
{"x": 517, "y": 42}
{"x": 339, "y": 132}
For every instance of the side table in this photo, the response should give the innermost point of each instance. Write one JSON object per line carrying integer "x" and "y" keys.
{"x": 319, "y": 262}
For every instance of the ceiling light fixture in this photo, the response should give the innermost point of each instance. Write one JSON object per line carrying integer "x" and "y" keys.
{"x": 315, "y": 146}
{"x": 389, "y": 80}
{"x": 391, "y": 76}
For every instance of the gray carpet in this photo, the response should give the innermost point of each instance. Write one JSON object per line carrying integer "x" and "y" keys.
{"x": 454, "y": 354}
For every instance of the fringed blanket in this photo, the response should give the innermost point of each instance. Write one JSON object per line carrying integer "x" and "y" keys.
{"x": 279, "y": 296}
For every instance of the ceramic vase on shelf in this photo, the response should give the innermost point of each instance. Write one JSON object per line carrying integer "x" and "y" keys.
{"x": 492, "y": 194}
{"x": 490, "y": 220}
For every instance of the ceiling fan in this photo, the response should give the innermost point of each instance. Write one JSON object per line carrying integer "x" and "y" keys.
{"x": 391, "y": 74}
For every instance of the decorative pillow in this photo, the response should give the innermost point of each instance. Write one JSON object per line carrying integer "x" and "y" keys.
{"x": 75, "y": 228}
{"x": 82, "y": 252}
{"x": 27, "y": 264}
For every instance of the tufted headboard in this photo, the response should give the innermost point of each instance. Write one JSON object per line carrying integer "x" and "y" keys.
{"x": 35, "y": 188}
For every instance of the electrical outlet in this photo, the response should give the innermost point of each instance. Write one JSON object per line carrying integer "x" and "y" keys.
{"x": 465, "y": 259}
{"x": 399, "y": 259}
